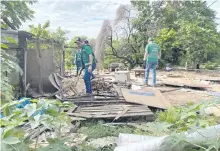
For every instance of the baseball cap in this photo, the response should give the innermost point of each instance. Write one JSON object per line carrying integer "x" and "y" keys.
{"x": 78, "y": 40}
{"x": 86, "y": 42}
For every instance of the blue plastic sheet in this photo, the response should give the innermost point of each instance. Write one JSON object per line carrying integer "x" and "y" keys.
{"x": 1, "y": 115}
{"x": 23, "y": 104}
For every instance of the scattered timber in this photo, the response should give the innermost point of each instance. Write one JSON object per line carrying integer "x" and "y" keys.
{"x": 111, "y": 111}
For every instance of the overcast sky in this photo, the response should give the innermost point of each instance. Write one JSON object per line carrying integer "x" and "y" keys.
{"x": 82, "y": 17}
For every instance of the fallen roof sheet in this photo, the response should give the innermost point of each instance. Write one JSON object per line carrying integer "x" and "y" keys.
{"x": 146, "y": 96}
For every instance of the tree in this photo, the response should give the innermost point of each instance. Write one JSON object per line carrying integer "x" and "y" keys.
{"x": 200, "y": 43}
{"x": 101, "y": 43}
{"x": 13, "y": 13}
{"x": 122, "y": 39}
{"x": 60, "y": 35}
{"x": 41, "y": 31}
{"x": 180, "y": 27}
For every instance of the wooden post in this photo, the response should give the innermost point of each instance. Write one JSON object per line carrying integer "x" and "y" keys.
{"x": 39, "y": 66}
{"x": 53, "y": 55}
{"x": 62, "y": 60}
{"x": 25, "y": 68}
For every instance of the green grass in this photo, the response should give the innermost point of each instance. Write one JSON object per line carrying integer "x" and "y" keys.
{"x": 170, "y": 116}
{"x": 84, "y": 147}
{"x": 98, "y": 130}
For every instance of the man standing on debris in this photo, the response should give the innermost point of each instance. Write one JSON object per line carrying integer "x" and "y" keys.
{"x": 87, "y": 43}
{"x": 88, "y": 60}
{"x": 151, "y": 56}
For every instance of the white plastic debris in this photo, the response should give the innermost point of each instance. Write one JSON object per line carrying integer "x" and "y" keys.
{"x": 135, "y": 87}
{"x": 130, "y": 142}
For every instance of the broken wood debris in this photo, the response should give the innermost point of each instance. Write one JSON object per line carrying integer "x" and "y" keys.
{"x": 112, "y": 111}
{"x": 66, "y": 86}
{"x": 106, "y": 86}
{"x": 186, "y": 85}
{"x": 69, "y": 87}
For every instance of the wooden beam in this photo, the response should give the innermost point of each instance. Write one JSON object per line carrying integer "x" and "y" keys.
{"x": 39, "y": 66}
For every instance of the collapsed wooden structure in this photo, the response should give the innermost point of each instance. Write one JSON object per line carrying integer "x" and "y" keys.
{"x": 111, "y": 111}
{"x": 38, "y": 58}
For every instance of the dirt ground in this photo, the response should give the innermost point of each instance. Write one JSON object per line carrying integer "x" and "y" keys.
{"x": 183, "y": 95}
{"x": 180, "y": 96}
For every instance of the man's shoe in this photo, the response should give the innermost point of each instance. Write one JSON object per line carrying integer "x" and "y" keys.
{"x": 146, "y": 84}
{"x": 154, "y": 85}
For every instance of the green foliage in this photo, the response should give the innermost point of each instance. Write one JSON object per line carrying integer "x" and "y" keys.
{"x": 185, "y": 26}
{"x": 41, "y": 31}
{"x": 8, "y": 65}
{"x": 167, "y": 40}
{"x": 176, "y": 120}
{"x": 14, "y": 137}
{"x": 211, "y": 66}
{"x": 184, "y": 118}
{"x": 13, "y": 13}
{"x": 170, "y": 116}
{"x": 55, "y": 145}
{"x": 199, "y": 42}
{"x": 84, "y": 147}
{"x": 98, "y": 130}
{"x": 161, "y": 64}
{"x": 108, "y": 59}
{"x": 60, "y": 35}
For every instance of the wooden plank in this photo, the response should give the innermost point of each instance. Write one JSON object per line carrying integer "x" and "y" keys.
{"x": 80, "y": 115}
{"x": 112, "y": 111}
{"x": 147, "y": 96}
{"x": 115, "y": 109}
{"x": 53, "y": 55}
{"x": 113, "y": 106}
{"x": 121, "y": 108}
{"x": 39, "y": 66}
{"x": 112, "y": 115}
{"x": 188, "y": 85}
{"x": 62, "y": 60}
{"x": 138, "y": 70}
{"x": 72, "y": 109}
{"x": 25, "y": 69}
{"x": 77, "y": 118}
{"x": 121, "y": 114}
{"x": 125, "y": 115}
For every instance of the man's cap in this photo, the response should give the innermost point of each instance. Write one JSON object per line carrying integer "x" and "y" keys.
{"x": 150, "y": 39}
{"x": 86, "y": 42}
{"x": 78, "y": 40}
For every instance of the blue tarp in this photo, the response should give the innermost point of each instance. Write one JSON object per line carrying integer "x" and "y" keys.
{"x": 23, "y": 104}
